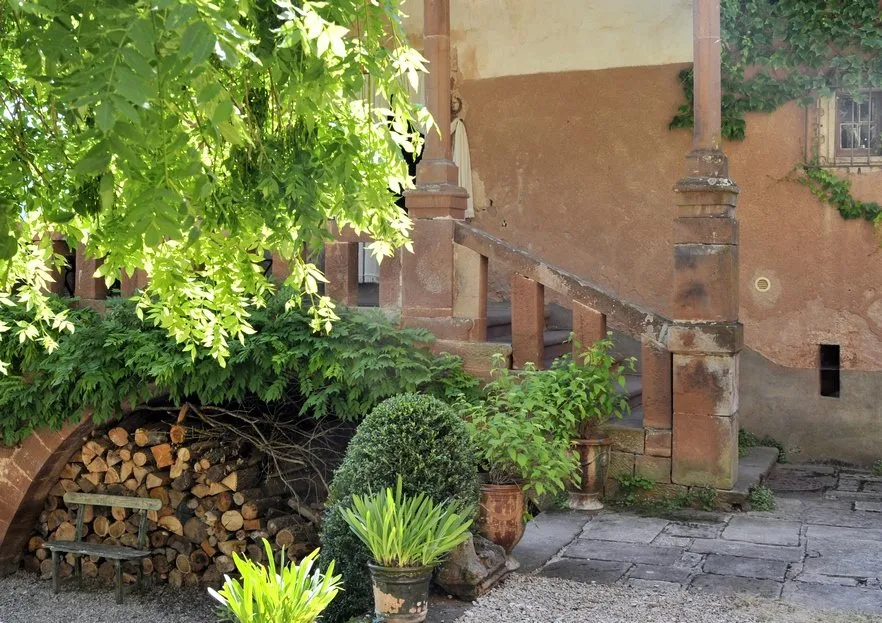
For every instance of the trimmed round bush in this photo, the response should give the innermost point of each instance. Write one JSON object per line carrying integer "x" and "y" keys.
{"x": 416, "y": 436}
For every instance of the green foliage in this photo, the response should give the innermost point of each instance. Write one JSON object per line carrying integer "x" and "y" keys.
{"x": 579, "y": 394}
{"x": 113, "y": 359}
{"x": 777, "y": 52}
{"x": 407, "y": 530}
{"x": 517, "y": 441}
{"x": 632, "y": 489}
{"x": 836, "y": 192}
{"x": 761, "y": 498}
{"x": 417, "y": 437}
{"x": 191, "y": 138}
{"x": 294, "y": 593}
{"x": 747, "y": 440}
{"x": 706, "y": 497}
{"x": 877, "y": 467}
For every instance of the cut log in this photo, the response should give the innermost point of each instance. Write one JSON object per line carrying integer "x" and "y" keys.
{"x": 158, "y": 538}
{"x": 224, "y": 564}
{"x": 208, "y": 548}
{"x": 131, "y": 484}
{"x": 242, "y": 478}
{"x": 156, "y": 479}
{"x": 97, "y": 465}
{"x": 255, "y": 552}
{"x": 140, "y": 459}
{"x": 126, "y": 469}
{"x": 284, "y": 538}
{"x": 195, "y": 530}
{"x": 179, "y": 468}
{"x": 228, "y": 547}
{"x": 183, "y": 482}
{"x": 46, "y": 569}
{"x": 129, "y": 540}
{"x": 172, "y": 524}
{"x": 119, "y": 436}
{"x": 119, "y": 513}
{"x": 113, "y": 458}
{"x": 107, "y": 571}
{"x": 198, "y": 560}
{"x": 111, "y": 476}
{"x": 177, "y": 434}
{"x": 89, "y": 569}
{"x": 162, "y": 454}
{"x": 182, "y": 563}
{"x": 183, "y": 455}
{"x": 175, "y": 578}
{"x": 117, "y": 529}
{"x": 92, "y": 450}
{"x": 147, "y": 565}
{"x": 253, "y": 524}
{"x": 71, "y": 471}
{"x": 161, "y": 494}
{"x": 224, "y": 502}
{"x": 139, "y": 473}
{"x": 149, "y": 437}
{"x": 160, "y": 564}
{"x": 125, "y": 453}
{"x": 232, "y": 520}
{"x": 66, "y": 531}
{"x": 180, "y": 545}
{"x": 238, "y": 498}
{"x": 35, "y": 543}
{"x": 200, "y": 491}
{"x": 216, "y": 487}
{"x": 176, "y": 498}
{"x": 63, "y": 486}
{"x": 100, "y": 525}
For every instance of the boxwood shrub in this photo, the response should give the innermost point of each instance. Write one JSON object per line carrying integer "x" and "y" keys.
{"x": 414, "y": 435}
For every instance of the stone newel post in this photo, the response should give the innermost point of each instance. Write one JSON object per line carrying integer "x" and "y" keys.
{"x": 707, "y": 337}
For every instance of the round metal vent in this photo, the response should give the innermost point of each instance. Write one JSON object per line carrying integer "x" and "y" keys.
{"x": 762, "y": 284}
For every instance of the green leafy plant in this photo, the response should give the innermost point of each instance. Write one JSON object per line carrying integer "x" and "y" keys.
{"x": 115, "y": 358}
{"x": 407, "y": 531}
{"x": 516, "y": 444}
{"x": 580, "y": 393}
{"x": 705, "y": 496}
{"x": 836, "y": 192}
{"x": 747, "y": 440}
{"x": 191, "y": 138}
{"x": 632, "y": 488}
{"x": 877, "y": 467}
{"x": 761, "y": 498}
{"x": 417, "y": 437}
{"x": 294, "y": 593}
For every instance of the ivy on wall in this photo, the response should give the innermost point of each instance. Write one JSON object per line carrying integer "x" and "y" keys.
{"x": 778, "y": 51}
{"x": 115, "y": 358}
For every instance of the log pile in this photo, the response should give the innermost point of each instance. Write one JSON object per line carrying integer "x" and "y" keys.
{"x": 217, "y": 500}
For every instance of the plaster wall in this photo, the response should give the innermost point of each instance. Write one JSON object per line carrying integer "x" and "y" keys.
{"x": 495, "y": 38}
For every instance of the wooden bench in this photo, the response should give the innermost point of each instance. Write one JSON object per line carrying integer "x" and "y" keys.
{"x": 117, "y": 553}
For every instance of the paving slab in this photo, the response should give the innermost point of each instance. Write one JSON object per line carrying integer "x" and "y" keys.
{"x": 800, "y": 480}
{"x": 748, "y": 550}
{"x": 623, "y": 527}
{"x": 833, "y": 597}
{"x": 696, "y": 529}
{"x": 745, "y": 567}
{"x": 835, "y": 532}
{"x": 657, "y": 585}
{"x": 545, "y": 536}
{"x": 665, "y": 540}
{"x": 762, "y": 531}
{"x": 587, "y": 571}
{"x": 672, "y": 575}
{"x": 872, "y": 507}
{"x": 735, "y": 584}
{"x": 841, "y": 517}
{"x": 690, "y": 560}
{"x": 819, "y": 578}
{"x": 843, "y": 555}
{"x": 589, "y": 549}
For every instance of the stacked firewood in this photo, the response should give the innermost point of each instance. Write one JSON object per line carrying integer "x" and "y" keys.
{"x": 218, "y": 498}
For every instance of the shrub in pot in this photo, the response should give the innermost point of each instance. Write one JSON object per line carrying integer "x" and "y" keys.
{"x": 295, "y": 593}
{"x": 415, "y": 436}
{"x": 519, "y": 451}
{"x": 579, "y": 394}
{"x": 406, "y": 536}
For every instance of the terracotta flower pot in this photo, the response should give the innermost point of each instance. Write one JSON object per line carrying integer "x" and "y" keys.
{"x": 401, "y": 594}
{"x": 593, "y": 460}
{"x": 501, "y": 519}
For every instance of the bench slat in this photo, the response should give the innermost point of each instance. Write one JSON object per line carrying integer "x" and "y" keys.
{"x": 114, "y": 552}
{"x": 120, "y": 501}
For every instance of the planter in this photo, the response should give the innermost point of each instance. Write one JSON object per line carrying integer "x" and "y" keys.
{"x": 401, "y": 593}
{"x": 593, "y": 460}
{"x": 502, "y": 515}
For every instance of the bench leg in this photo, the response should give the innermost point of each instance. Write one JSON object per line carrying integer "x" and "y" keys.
{"x": 55, "y": 578}
{"x": 140, "y": 576}
{"x": 78, "y": 569}
{"x": 119, "y": 583}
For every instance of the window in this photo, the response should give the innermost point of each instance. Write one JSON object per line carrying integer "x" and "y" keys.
{"x": 858, "y": 123}
{"x": 849, "y": 130}
{"x": 829, "y": 365}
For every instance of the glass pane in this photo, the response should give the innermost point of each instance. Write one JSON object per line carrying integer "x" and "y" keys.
{"x": 846, "y": 136}
{"x": 846, "y": 108}
{"x": 864, "y": 135}
{"x": 876, "y": 123}
{"x": 864, "y": 110}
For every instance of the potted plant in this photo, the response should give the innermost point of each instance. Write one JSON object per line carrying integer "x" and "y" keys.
{"x": 266, "y": 594}
{"x": 579, "y": 394}
{"x": 407, "y": 536}
{"x": 519, "y": 454}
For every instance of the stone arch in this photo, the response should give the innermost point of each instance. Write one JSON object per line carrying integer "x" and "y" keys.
{"x": 27, "y": 473}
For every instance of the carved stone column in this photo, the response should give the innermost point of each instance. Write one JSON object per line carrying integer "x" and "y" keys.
{"x": 707, "y": 337}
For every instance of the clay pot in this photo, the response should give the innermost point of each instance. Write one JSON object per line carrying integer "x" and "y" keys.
{"x": 401, "y": 594}
{"x": 501, "y": 519}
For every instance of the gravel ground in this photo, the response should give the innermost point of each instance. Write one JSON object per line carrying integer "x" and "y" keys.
{"x": 24, "y": 598}
{"x": 543, "y": 600}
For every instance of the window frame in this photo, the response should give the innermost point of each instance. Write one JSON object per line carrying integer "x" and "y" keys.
{"x": 828, "y": 137}
{"x": 849, "y": 152}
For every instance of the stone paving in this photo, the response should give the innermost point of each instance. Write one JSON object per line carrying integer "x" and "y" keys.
{"x": 820, "y": 548}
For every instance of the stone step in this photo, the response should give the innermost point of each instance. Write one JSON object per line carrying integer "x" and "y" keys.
{"x": 753, "y": 469}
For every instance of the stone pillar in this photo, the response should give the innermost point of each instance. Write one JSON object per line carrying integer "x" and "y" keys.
{"x": 128, "y": 286}
{"x": 706, "y": 337}
{"x": 427, "y": 274}
{"x": 341, "y": 270}
{"x": 86, "y": 285}
{"x": 280, "y": 269}
{"x": 589, "y": 326}
{"x": 390, "y": 281}
{"x": 59, "y": 247}
{"x": 470, "y": 295}
{"x": 527, "y": 321}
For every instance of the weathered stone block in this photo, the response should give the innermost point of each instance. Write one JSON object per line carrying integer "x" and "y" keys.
{"x": 625, "y": 438}
{"x": 527, "y": 321}
{"x": 390, "y": 281}
{"x": 658, "y": 442}
{"x": 472, "y": 568}
{"x": 705, "y": 450}
{"x": 589, "y": 325}
{"x": 86, "y": 285}
{"x": 341, "y": 270}
{"x": 657, "y": 379}
{"x": 706, "y": 230}
{"x": 705, "y": 282}
{"x": 655, "y": 467}
{"x": 706, "y": 338}
{"x": 470, "y": 288}
{"x": 427, "y": 273}
{"x": 620, "y": 464}
{"x": 665, "y": 491}
{"x": 705, "y": 384}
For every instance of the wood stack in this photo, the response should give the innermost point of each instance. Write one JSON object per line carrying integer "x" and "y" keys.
{"x": 217, "y": 501}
